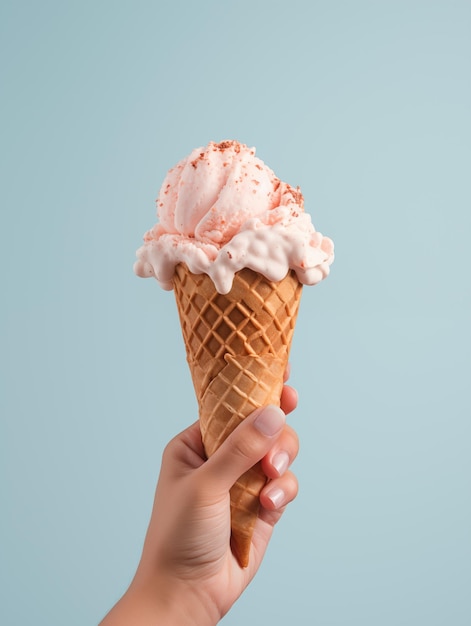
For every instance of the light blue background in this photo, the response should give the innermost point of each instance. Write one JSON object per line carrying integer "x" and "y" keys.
{"x": 366, "y": 106}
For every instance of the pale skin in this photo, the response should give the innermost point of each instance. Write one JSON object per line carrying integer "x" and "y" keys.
{"x": 187, "y": 574}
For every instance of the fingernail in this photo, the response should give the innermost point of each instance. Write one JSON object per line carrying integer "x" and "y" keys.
{"x": 270, "y": 420}
{"x": 280, "y": 462}
{"x": 277, "y": 497}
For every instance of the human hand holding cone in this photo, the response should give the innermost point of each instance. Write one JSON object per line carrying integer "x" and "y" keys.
{"x": 223, "y": 211}
{"x": 237, "y": 348}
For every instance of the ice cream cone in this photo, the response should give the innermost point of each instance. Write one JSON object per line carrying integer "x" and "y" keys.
{"x": 221, "y": 209}
{"x": 237, "y": 347}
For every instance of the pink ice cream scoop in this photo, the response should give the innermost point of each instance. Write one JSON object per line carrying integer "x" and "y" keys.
{"x": 221, "y": 209}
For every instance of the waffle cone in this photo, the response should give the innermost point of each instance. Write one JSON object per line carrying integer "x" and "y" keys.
{"x": 237, "y": 347}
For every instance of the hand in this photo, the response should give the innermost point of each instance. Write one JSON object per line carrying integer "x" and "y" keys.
{"x": 187, "y": 573}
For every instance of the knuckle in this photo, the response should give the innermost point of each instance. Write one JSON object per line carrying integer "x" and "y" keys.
{"x": 292, "y": 486}
{"x": 171, "y": 449}
{"x": 245, "y": 449}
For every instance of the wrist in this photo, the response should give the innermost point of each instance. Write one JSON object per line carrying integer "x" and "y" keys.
{"x": 164, "y": 600}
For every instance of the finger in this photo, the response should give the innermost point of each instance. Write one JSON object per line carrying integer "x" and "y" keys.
{"x": 185, "y": 451}
{"x": 289, "y": 399}
{"x": 274, "y": 498}
{"x": 244, "y": 447}
{"x": 281, "y": 454}
{"x": 276, "y": 495}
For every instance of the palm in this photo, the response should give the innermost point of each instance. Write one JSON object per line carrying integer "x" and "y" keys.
{"x": 189, "y": 532}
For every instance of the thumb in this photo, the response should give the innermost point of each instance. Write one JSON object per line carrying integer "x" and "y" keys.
{"x": 244, "y": 447}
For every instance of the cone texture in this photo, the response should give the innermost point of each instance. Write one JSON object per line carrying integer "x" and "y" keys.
{"x": 237, "y": 347}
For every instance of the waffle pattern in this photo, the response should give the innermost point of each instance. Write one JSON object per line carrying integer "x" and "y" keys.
{"x": 245, "y": 504}
{"x": 237, "y": 348}
{"x": 256, "y": 317}
{"x": 243, "y": 385}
